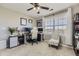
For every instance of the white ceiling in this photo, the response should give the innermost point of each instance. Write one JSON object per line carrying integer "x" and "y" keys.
{"x": 22, "y": 8}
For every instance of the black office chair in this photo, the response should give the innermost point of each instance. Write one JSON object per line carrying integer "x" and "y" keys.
{"x": 21, "y": 39}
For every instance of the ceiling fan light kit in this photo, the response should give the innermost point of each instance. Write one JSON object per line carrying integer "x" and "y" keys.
{"x": 36, "y": 6}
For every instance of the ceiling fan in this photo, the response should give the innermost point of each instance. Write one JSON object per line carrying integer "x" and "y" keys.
{"x": 36, "y": 7}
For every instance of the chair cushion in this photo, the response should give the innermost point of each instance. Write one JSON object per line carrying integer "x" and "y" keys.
{"x": 34, "y": 33}
{"x": 55, "y": 39}
{"x": 53, "y": 42}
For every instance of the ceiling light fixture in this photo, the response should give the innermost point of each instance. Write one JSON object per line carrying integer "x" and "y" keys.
{"x": 36, "y": 7}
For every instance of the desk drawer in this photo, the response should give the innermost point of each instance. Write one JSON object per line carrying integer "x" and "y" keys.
{"x": 13, "y": 41}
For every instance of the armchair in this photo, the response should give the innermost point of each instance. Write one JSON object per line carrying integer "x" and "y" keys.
{"x": 55, "y": 41}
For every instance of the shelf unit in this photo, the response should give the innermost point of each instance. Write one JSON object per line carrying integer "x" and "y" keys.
{"x": 76, "y": 34}
{"x": 40, "y": 30}
{"x": 39, "y": 23}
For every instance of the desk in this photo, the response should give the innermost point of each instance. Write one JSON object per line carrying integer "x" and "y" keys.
{"x": 12, "y": 41}
{"x": 26, "y": 36}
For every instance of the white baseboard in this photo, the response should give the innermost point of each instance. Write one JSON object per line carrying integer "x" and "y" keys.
{"x": 66, "y": 45}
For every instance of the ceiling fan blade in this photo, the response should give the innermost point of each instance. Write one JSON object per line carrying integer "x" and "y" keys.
{"x": 44, "y": 7}
{"x": 29, "y": 9}
{"x": 31, "y": 3}
{"x": 34, "y": 4}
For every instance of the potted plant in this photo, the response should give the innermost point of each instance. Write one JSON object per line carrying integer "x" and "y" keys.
{"x": 11, "y": 30}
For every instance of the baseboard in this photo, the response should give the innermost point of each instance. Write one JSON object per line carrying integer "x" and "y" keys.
{"x": 66, "y": 45}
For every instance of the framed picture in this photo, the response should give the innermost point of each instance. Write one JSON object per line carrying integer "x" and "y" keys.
{"x": 30, "y": 20}
{"x": 23, "y": 21}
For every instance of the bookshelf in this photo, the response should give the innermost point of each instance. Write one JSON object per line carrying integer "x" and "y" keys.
{"x": 39, "y": 23}
{"x": 76, "y": 34}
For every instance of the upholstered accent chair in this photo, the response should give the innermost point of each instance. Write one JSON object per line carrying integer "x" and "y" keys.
{"x": 55, "y": 40}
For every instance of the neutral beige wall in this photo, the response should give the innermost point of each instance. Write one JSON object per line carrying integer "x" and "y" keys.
{"x": 75, "y": 9}
{"x": 10, "y": 18}
{"x": 68, "y": 32}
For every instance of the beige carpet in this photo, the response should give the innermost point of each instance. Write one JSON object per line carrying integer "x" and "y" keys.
{"x": 40, "y": 49}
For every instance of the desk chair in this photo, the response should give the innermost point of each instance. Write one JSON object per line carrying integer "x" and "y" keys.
{"x": 34, "y": 35}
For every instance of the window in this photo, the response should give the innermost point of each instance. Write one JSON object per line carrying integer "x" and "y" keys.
{"x": 49, "y": 24}
{"x": 60, "y": 22}
{"x": 56, "y": 20}
{"x": 56, "y": 23}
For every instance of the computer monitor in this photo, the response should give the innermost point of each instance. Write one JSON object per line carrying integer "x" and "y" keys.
{"x": 27, "y": 30}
